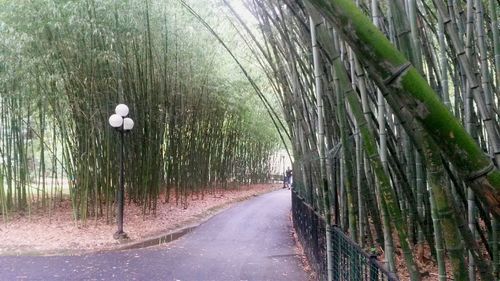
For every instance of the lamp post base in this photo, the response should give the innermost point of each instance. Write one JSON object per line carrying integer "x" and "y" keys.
{"x": 120, "y": 235}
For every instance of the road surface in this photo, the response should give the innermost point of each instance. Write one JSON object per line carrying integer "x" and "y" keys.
{"x": 250, "y": 241}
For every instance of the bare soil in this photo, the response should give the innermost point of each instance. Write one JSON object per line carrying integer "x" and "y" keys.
{"x": 57, "y": 233}
{"x": 426, "y": 263}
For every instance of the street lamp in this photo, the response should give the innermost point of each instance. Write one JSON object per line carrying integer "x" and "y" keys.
{"x": 122, "y": 124}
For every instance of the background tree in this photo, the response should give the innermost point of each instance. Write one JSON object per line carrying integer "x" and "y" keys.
{"x": 65, "y": 66}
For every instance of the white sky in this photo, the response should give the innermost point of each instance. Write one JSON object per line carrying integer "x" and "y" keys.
{"x": 242, "y": 11}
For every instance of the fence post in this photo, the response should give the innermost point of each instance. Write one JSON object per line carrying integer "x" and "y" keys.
{"x": 335, "y": 253}
{"x": 373, "y": 268}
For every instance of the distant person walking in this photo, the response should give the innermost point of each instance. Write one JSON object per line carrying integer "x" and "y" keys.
{"x": 287, "y": 182}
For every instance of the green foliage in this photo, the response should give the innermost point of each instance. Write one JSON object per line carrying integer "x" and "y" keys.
{"x": 70, "y": 62}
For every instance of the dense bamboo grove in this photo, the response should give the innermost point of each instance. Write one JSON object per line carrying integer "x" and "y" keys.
{"x": 65, "y": 65}
{"x": 392, "y": 112}
{"x": 391, "y": 108}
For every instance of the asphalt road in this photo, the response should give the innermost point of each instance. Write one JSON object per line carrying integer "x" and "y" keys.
{"x": 250, "y": 241}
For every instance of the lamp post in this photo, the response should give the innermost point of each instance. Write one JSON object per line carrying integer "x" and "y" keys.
{"x": 122, "y": 124}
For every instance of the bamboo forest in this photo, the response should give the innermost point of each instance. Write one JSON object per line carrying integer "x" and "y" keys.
{"x": 386, "y": 111}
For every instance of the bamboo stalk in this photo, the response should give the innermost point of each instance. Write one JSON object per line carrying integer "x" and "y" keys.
{"x": 484, "y": 184}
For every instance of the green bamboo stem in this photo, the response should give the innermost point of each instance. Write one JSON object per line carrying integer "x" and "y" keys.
{"x": 324, "y": 189}
{"x": 391, "y": 71}
{"x": 450, "y": 231}
{"x": 373, "y": 156}
{"x": 360, "y": 196}
{"x": 416, "y": 50}
{"x": 464, "y": 59}
{"x": 420, "y": 183}
{"x": 440, "y": 252}
{"x": 493, "y": 12}
{"x": 484, "y": 66}
{"x": 443, "y": 63}
{"x": 347, "y": 171}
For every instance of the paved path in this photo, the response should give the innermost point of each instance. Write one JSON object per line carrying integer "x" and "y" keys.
{"x": 250, "y": 241}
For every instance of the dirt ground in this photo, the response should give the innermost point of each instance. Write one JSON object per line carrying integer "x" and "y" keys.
{"x": 41, "y": 234}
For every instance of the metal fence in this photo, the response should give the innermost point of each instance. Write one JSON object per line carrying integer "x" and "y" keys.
{"x": 310, "y": 231}
{"x": 350, "y": 262}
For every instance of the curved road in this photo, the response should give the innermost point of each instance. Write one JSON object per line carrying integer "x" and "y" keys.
{"x": 250, "y": 241}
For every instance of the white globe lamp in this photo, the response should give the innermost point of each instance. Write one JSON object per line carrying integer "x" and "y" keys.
{"x": 121, "y": 110}
{"x": 128, "y": 124}
{"x": 115, "y": 121}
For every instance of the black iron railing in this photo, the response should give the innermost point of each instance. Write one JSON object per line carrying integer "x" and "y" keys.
{"x": 311, "y": 234}
{"x": 349, "y": 261}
